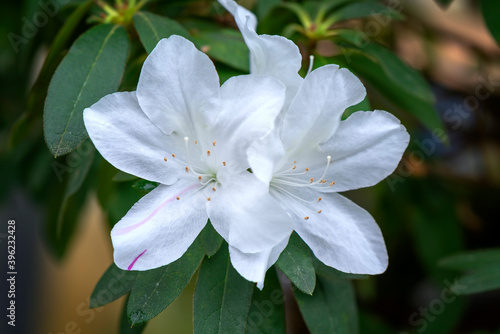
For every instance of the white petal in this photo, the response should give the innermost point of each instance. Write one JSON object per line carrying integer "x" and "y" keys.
{"x": 343, "y": 235}
{"x": 253, "y": 266}
{"x": 179, "y": 87}
{"x": 246, "y": 216}
{"x": 269, "y": 55}
{"x": 249, "y": 106}
{"x": 366, "y": 148}
{"x": 315, "y": 111}
{"x": 159, "y": 228}
{"x": 126, "y": 138}
{"x": 264, "y": 156}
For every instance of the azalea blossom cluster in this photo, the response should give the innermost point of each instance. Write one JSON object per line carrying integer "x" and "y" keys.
{"x": 259, "y": 157}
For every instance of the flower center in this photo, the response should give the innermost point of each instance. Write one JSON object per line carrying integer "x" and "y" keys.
{"x": 293, "y": 178}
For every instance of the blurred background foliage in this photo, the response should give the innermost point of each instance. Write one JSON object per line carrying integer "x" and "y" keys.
{"x": 434, "y": 64}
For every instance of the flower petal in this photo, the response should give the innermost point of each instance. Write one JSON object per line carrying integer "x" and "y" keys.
{"x": 366, "y": 148}
{"x": 179, "y": 87}
{"x": 253, "y": 266}
{"x": 315, "y": 111}
{"x": 246, "y": 216}
{"x": 264, "y": 156}
{"x": 269, "y": 55}
{"x": 249, "y": 106}
{"x": 342, "y": 235}
{"x": 160, "y": 227}
{"x": 126, "y": 138}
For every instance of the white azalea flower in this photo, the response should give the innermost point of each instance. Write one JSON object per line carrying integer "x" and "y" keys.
{"x": 312, "y": 155}
{"x": 181, "y": 129}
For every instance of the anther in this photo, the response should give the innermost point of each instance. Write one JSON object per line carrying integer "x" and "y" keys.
{"x": 208, "y": 153}
{"x": 213, "y": 143}
{"x": 208, "y": 199}
{"x": 307, "y": 169}
{"x": 319, "y": 211}
{"x": 295, "y": 161}
{"x": 177, "y": 198}
{"x": 319, "y": 199}
{"x": 306, "y": 217}
{"x": 196, "y": 142}
{"x": 213, "y": 189}
{"x": 173, "y": 155}
{"x": 311, "y": 180}
{"x": 199, "y": 177}
{"x": 165, "y": 158}
{"x": 187, "y": 169}
{"x": 294, "y": 166}
{"x": 332, "y": 183}
{"x": 224, "y": 163}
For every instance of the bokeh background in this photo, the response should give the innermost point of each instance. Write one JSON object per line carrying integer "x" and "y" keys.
{"x": 444, "y": 198}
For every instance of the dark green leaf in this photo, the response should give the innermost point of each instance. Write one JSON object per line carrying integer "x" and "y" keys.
{"x": 361, "y": 106}
{"x": 481, "y": 280}
{"x": 332, "y": 273}
{"x": 124, "y": 177}
{"x": 491, "y": 13}
{"x": 125, "y": 326}
{"x": 222, "y": 297}
{"x": 29, "y": 121}
{"x": 210, "y": 239}
{"x": 113, "y": 284}
{"x": 331, "y": 308}
{"x": 360, "y": 10}
{"x": 296, "y": 263}
{"x": 92, "y": 69}
{"x": 265, "y": 6}
{"x": 145, "y": 186}
{"x": 152, "y": 28}
{"x": 267, "y": 312}
{"x": 155, "y": 289}
{"x": 472, "y": 260}
{"x": 226, "y": 46}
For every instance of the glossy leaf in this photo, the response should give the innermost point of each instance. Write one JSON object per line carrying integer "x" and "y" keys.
{"x": 264, "y": 7}
{"x": 152, "y": 28}
{"x": 155, "y": 289}
{"x": 331, "y": 308}
{"x": 296, "y": 263}
{"x": 92, "y": 69}
{"x": 332, "y": 273}
{"x": 125, "y": 326}
{"x": 491, "y": 12}
{"x": 226, "y": 46}
{"x": 222, "y": 297}
{"x": 472, "y": 260}
{"x": 113, "y": 284}
{"x": 267, "y": 311}
{"x": 145, "y": 186}
{"x": 210, "y": 239}
{"x": 361, "y": 10}
{"x": 481, "y": 280}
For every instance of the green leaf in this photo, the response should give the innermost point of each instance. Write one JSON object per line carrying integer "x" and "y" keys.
{"x": 472, "y": 260}
{"x": 481, "y": 280}
{"x": 361, "y": 106}
{"x": 418, "y": 102}
{"x": 296, "y": 263}
{"x": 226, "y": 46}
{"x": 125, "y": 326}
{"x": 361, "y": 10}
{"x": 210, "y": 239}
{"x": 267, "y": 312}
{"x": 113, "y": 284}
{"x": 155, "y": 289}
{"x": 332, "y": 273}
{"x": 331, "y": 308}
{"x": 92, "y": 69}
{"x": 491, "y": 12}
{"x": 265, "y": 6}
{"x": 30, "y": 120}
{"x": 124, "y": 177}
{"x": 222, "y": 297}
{"x": 145, "y": 186}
{"x": 152, "y": 28}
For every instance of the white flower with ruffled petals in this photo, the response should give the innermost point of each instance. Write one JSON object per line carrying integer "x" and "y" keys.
{"x": 312, "y": 155}
{"x": 183, "y": 130}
